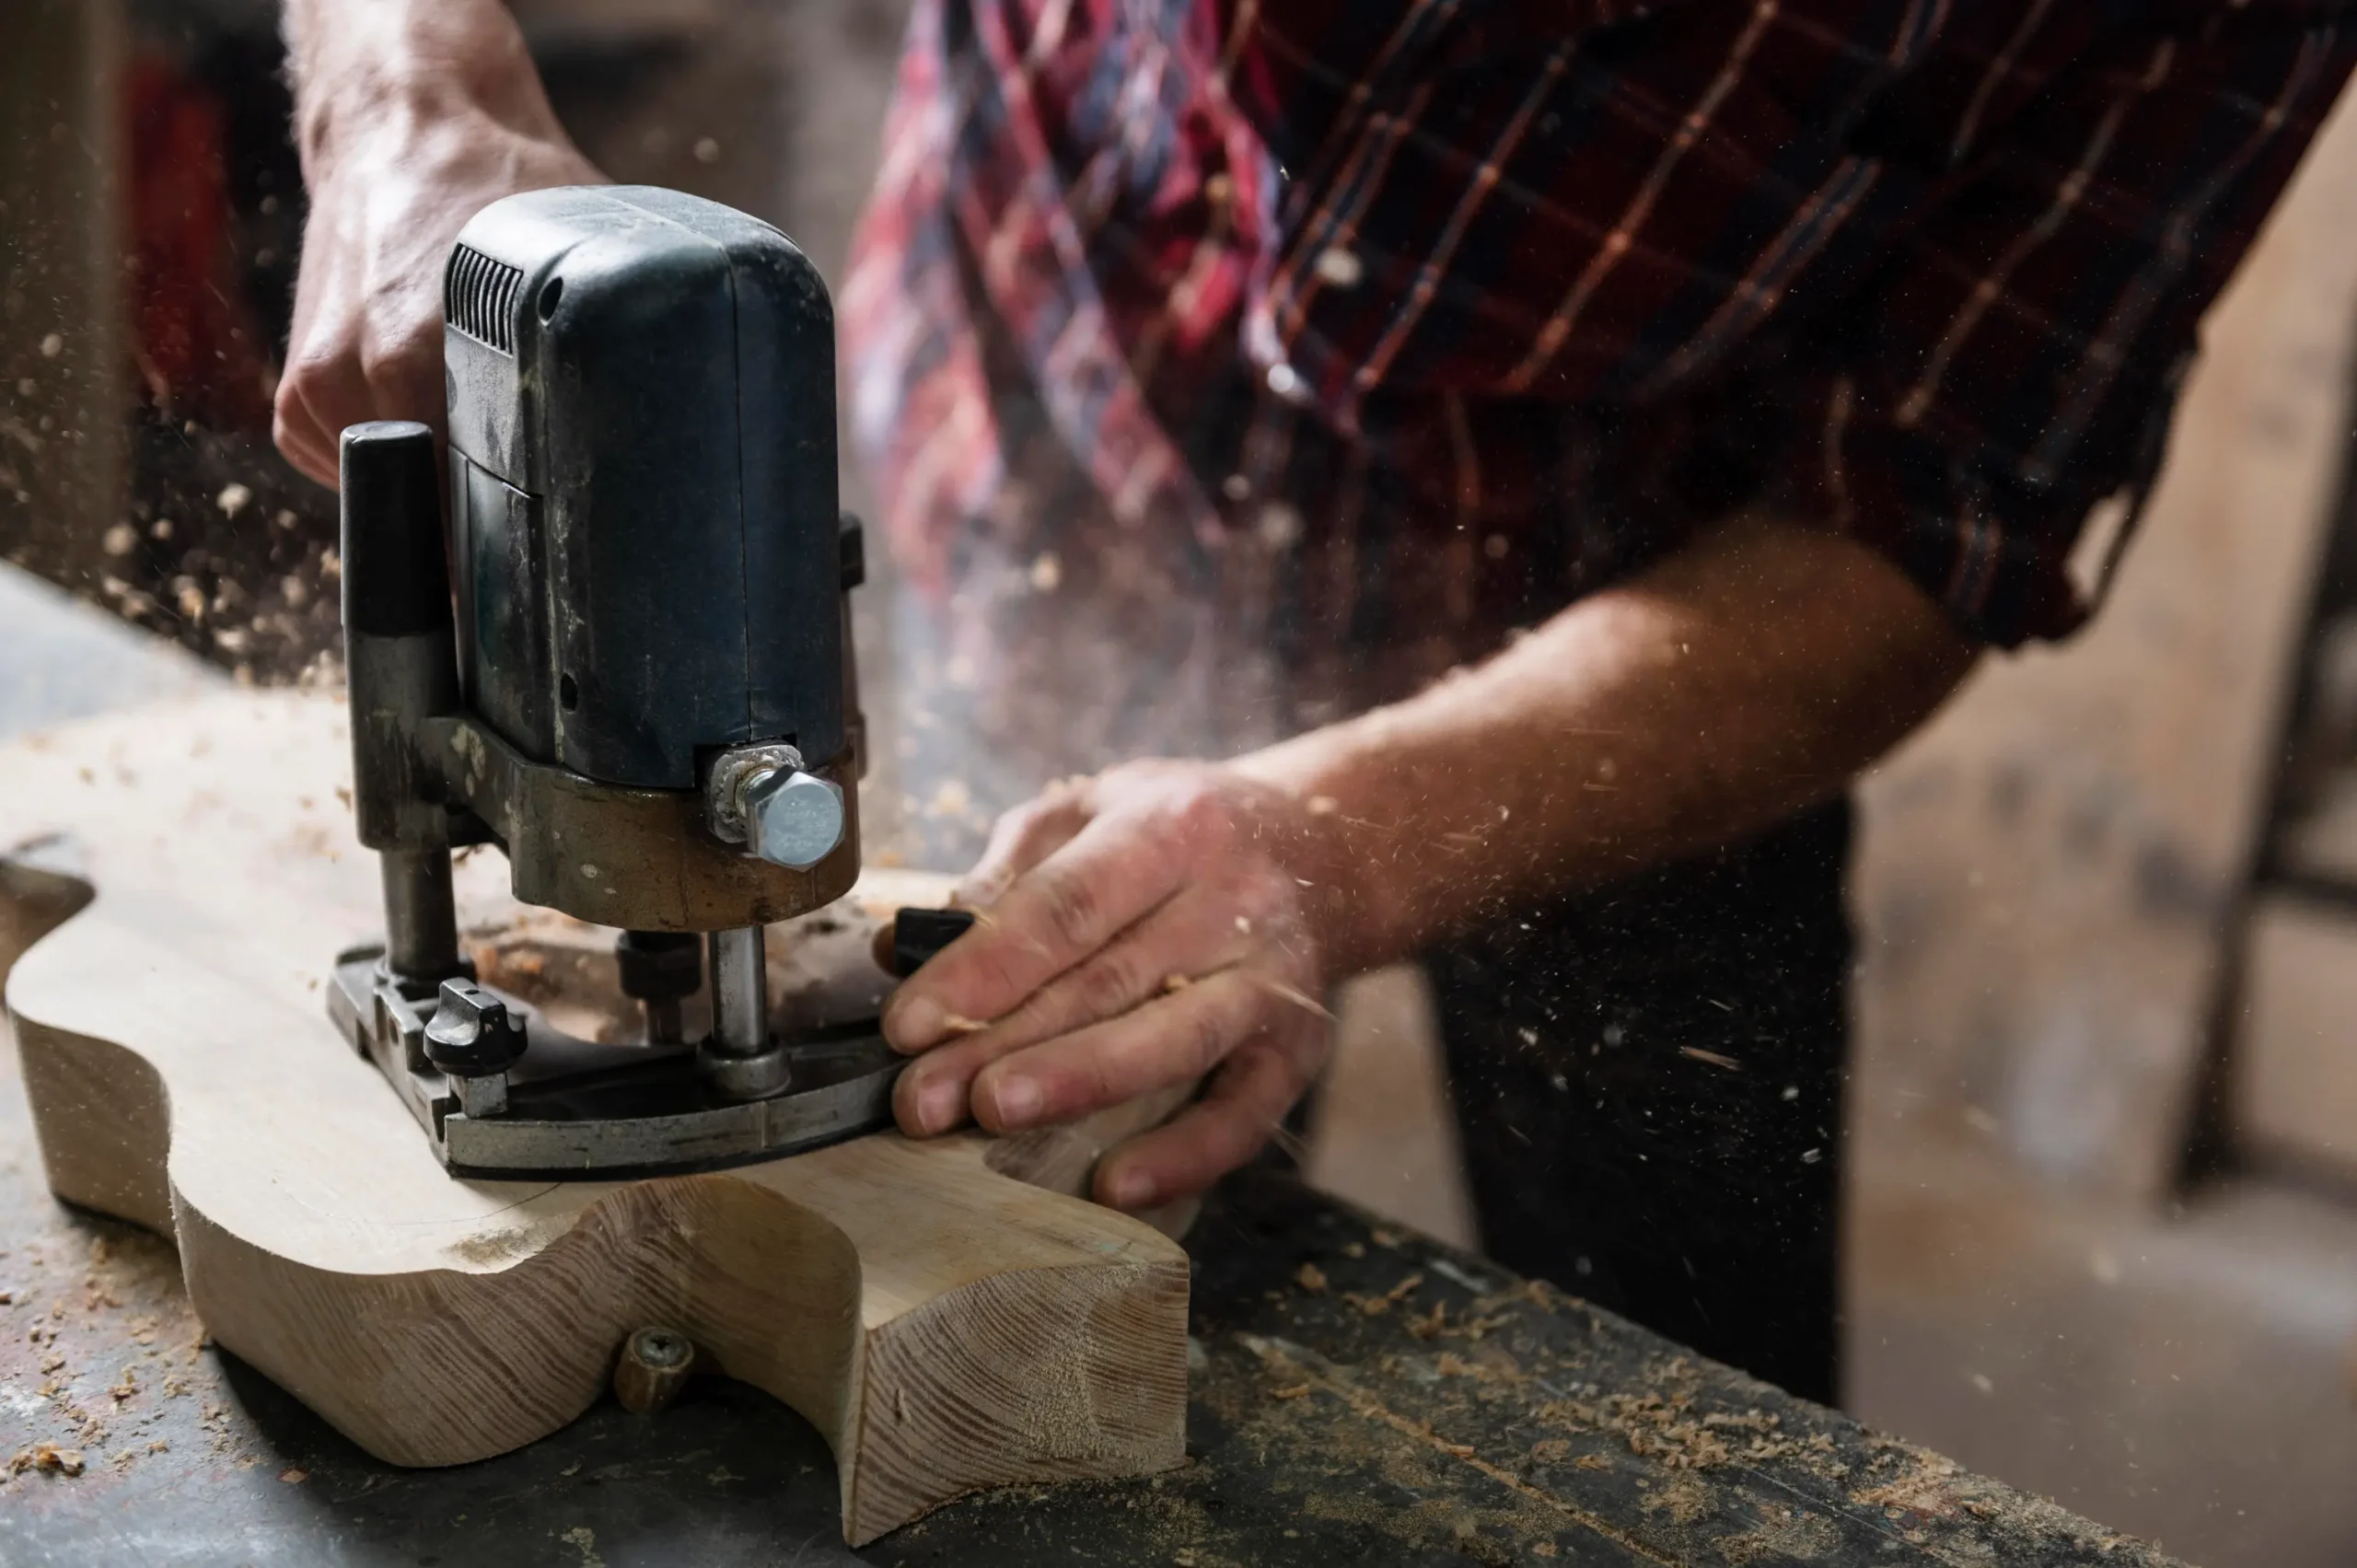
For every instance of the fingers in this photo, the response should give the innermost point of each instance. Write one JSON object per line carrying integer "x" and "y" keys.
{"x": 1057, "y": 1005}
{"x": 1192, "y": 935}
{"x": 337, "y": 382}
{"x": 1242, "y": 1110}
{"x": 299, "y": 440}
{"x": 307, "y": 422}
{"x": 1052, "y": 917}
{"x": 1187, "y": 936}
{"x": 367, "y": 334}
{"x": 1175, "y": 1039}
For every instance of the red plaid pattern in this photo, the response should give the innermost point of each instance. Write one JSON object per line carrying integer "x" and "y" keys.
{"x": 1448, "y": 311}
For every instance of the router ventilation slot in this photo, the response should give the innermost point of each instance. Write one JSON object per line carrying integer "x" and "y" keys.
{"x": 479, "y": 297}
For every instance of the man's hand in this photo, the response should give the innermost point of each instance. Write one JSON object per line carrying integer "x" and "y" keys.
{"x": 413, "y": 117}
{"x": 1167, "y": 920}
{"x": 1160, "y": 923}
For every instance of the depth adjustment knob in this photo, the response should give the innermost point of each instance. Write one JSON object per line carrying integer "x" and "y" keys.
{"x": 472, "y": 1034}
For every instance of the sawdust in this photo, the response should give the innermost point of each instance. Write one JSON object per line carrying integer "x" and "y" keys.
{"x": 1375, "y": 1306}
{"x": 222, "y": 548}
{"x": 47, "y": 1459}
{"x": 1163, "y": 1508}
{"x": 125, "y": 1304}
{"x": 1436, "y": 1324}
{"x": 1662, "y": 1424}
{"x": 1492, "y": 1364}
{"x": 1927, "y": 1488}
{"x": 1373, "y": 1442}
{"x": 583, "y": 1540}
{"x": 1795, "y": 1536}
{"x": 496, "y": 1249}
{"x": 1683, "y": 1497}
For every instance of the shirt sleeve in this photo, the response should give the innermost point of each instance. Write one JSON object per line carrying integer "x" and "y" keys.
{"x": 2013, "y": 361}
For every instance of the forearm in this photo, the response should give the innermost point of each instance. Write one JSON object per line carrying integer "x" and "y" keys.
{"x": 1750, "y": 674}
{"x": 360, "y": 64}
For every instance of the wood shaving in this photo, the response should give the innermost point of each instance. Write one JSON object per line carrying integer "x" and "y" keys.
{"x": 1665, "y": 1429}
{"x": 1375, "y": 1306}
{"x": 51, "y": 1459}
{"x": 1294, "y": 994}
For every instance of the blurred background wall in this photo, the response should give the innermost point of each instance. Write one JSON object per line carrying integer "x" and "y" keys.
{"x": 2104, "y": 1205}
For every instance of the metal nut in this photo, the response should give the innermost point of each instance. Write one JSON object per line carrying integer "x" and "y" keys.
{"x": 733, "y": 772}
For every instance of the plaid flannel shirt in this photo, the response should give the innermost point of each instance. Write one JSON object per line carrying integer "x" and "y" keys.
{"x": 1442, "y": 312}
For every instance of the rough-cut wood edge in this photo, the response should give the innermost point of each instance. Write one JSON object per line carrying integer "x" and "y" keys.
{"x": 948, "y": 1326}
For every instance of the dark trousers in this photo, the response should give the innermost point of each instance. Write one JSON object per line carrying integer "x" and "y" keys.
{"x": 1648, "y": 1078}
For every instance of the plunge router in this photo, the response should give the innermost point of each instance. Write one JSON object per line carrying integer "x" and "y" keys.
{"x": 645, "y": 695}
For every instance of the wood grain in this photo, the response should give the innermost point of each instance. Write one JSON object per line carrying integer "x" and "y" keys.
{"x": 948, "y": 1314}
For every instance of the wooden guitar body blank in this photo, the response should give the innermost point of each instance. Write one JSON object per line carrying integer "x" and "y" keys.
{"x": 949, "y": 1314}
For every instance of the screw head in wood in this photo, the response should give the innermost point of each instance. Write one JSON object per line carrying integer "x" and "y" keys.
{"x": 663, "y": 1350}
{"x": 654, "y": 1364}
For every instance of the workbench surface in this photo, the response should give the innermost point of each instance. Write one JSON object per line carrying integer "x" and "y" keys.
{"x": 1358, "y": 1396}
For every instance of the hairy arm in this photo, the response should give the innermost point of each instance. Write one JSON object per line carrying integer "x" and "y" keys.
{"x": 1737, "y": 681}
{"x": 1168, "y": 919}
{"x": 411, "y": 116}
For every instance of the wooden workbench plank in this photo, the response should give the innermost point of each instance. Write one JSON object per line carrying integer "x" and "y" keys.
{"x": 729, "y": 1479}
{"x": 1565, "y": 1425}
